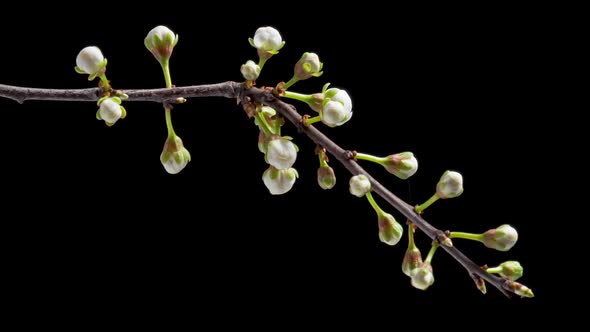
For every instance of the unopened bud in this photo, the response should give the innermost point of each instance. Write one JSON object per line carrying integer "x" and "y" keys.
{"x": 422, "y": 277}
{"x": 502, "y": 238}
{"x": 359, "y": 185}
{"x": 510, "y": 270}
{"x": 450, "y": 185}
{"x": 403, "y": 165}
{"x": 326, "y": 177}
{"x": 390, "y": 231}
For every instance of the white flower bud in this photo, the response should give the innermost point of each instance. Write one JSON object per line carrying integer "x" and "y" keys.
{"x": 279, "y": 181}
{"x": 250, "y": 70}
{"x": 175, "y": 156}
{"x": 412, "y": 260}
{"x": 403, "y": 165}
{"x": 309, "y": 65}
{"x": 281, "y": 153}
{"x": 422, "y": 277}
{"x": 336, "y": 107}
{"x": 359, "y": 185}
{"x": 90, "y": 61}
{"x": 502, "y": 238}
{"x": 390, "y": 231}
{"x": 326, "y": 177}
{"x": 450, "y": 185}
{"x": 110, "y": 110}
{"x": 161, "y": 41}
{"x": 267, "y": 39}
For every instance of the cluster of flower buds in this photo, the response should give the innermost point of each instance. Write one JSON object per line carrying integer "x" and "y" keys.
{"x": 279, "y": 152}
{"x": 334, "y": 108}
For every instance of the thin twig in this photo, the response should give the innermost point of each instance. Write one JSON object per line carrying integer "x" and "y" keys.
{"x": 236, "y": 90}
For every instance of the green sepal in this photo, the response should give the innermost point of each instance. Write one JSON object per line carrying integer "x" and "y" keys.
{"x": 123, "y": 112}
{"x": 101, "y": 100}
{"x": 98, "y": 117}
{"x": 110, "y": 124}
{"x": 79, "y": 70}
{"x": 251, "y": 41}
{"x": 325, "y": 87}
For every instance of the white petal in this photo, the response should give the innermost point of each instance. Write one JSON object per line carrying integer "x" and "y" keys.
{"x": 267, "y": 39}
{"x": 110, "y": 111}
{"x": 89, "y": 59}
{"x": 281, "y": 153}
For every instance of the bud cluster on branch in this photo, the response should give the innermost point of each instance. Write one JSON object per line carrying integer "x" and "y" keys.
{"x": 332, "y": 107}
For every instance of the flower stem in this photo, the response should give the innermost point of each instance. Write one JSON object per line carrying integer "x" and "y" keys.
{"x": 420, "y": 208}
{"x": 368, "y": 157}
{"x": 298, "y": 96}
{"x": 264, "y": 126}
{"x": 167, "y": 108}
{"x": 322, "y": 157}
{"x": 496, "y": 269}
{"x": 468, "y": 236}
{"x": 105, "y": 82}
{"x": 411, "y": 243}
{"x": 171, "y": 132}
{"x": 261, "y": 62}
{"x": 292, "y": 81}
{"x": 435, "y": 246}
{"x": 374, "y": 204}
{"x": 166, "y": 71}
{"x": 313, "y": 120}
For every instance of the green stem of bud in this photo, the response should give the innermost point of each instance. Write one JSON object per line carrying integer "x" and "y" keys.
{"x": 322, "y": 157}
{"x": 496, "y": 269}
{"x": 435, "y": 246}
{"x": 290, "y": 83}
{"x": 468, "y": 236}
{"x": 374, "y": 204}
{"x": 264, "y": 124}
{"x": 299, "y": 96}
{"x": 167, "y": 108}
{"x": 105, "y": 82}
{"x": 313, "y": 120}
{"x": 261, "y": 62}
{"x": 171, "y": 132}
{"x": 166, "y": 71}
{"x": 368, "y": 157}
{"x": 411, "y": 243}
{"x": 420, "y": 208}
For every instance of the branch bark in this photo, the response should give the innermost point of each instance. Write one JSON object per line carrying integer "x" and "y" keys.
{"x": 237, "y": 90}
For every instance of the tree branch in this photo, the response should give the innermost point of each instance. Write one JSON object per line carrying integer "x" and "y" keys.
{"x": 237, "y": 90}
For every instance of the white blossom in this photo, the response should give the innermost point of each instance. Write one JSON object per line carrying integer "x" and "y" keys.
{"x": 281, "y": 153}
{"x": 279, "y": 181}
{"x": 267, "y": 39}
{"x": 250, "y": 70}
{"x": 90, "y": 61}
{"x": 422, "y": 277}
{"x": 336, "y": 107}
{"x": 359, "y": 185}
{"x": 110, "y": 110}
{"x": 174, "y": 156}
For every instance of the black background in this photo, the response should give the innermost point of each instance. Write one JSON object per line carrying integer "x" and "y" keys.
{"x": 90, "y": 215}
